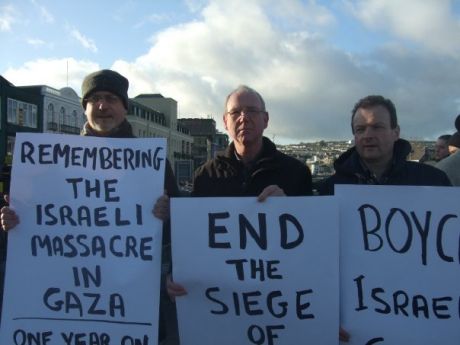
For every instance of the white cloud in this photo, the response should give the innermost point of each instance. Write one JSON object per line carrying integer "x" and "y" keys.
{"x": 84, "y": 41}
{"x": 200, "y": 62}
{"x": 35, "y": 42}
{"x": 44, "y": 13}
{"x": 195, "y": 5}
{"x": 152, "y": 18}
{"x": 294, "y": 12}
{"x": 7, "y": 17}
{"x": 309, "y": 85}
{"x": 52, "y": 72}
{"x": 430, "y": 23}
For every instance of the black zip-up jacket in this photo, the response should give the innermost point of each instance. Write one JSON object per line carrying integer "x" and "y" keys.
{"x": 225, "y": 175}
{"x": 349, "y": 170}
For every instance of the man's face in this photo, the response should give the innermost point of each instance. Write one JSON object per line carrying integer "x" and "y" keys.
{"x": 441, "y": 149}
{"x": 374, "y": 137}
{"x": 244, "y": 119}
{"x": 452, "y": 149}
{"x": 105, "y": 111}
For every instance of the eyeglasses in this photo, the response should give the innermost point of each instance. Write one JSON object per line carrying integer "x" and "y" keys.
{"x": 109, "y": 99}
{"x": 249, "y": 111}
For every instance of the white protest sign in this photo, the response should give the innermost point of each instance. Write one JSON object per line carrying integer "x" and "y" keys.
{"x": 399, "y": 264}
{"x": 83, "y": 265}
{"x": 256, "y": 272}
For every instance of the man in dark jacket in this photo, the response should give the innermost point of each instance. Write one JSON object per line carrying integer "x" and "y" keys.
{"x": 379, "y": 155}
{"x": 105, "y": 100}
{"x": 451, "y": 164}
{"x": 226, "y": 175}
{"x": 251, "y": 165}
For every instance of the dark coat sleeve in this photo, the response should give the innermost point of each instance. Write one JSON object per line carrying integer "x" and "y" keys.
{"x": 172, "y": 190}
{"x": 170, "y": 181}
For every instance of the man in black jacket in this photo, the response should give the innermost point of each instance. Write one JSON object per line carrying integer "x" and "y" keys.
{"x": 379, "y": 155}
{"x": 105, "y": 100}
{"x": 251, "y": 165}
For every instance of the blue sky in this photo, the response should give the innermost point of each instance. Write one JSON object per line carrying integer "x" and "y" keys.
{"x": 311, "y": 60}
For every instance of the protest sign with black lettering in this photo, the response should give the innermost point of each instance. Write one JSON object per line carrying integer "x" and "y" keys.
{"x": 256, "y": 272}
{"x": 83, "y": 265}
{"x": 399, "y": 264}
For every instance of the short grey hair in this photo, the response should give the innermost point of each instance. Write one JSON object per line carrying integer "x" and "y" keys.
{"x": 244, "y": 89}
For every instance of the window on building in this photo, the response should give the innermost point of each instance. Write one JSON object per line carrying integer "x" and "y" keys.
{"x": 12, "y": 111}
{"x": 10, "y": 140}
{"x": 74, "y": 119}
{"x": 51, "y": 124}
{"x": 50, "y": 115}
{"x": 62, "y": 116}
{"x": 67, "y": 118}
{"x": 21, "y": 113}
{"x": 81, "y": 120}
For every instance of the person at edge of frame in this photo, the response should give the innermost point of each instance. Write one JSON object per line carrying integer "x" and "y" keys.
{"x": 250, "y": 166}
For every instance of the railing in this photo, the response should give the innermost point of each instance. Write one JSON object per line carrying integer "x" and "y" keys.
{"x": 53, "y": 126}
{"x": 70, "y": 129}
{"x": 179, "y": 155}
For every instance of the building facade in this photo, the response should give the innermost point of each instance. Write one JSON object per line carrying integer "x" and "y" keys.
{"x": 43, "y": 109}
{"x": 62, "y": 109}
{"x": 153, "y": 115}
{"x": 208, "y": 142}
{"x": 20, "y": 111}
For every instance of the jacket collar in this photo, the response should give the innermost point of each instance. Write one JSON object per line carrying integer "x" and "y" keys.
{"x": 229, "y": 159}
{"x": 123, "y": 131}
{"x": 268, "y": 149}
{"x": 349, "y": 162}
